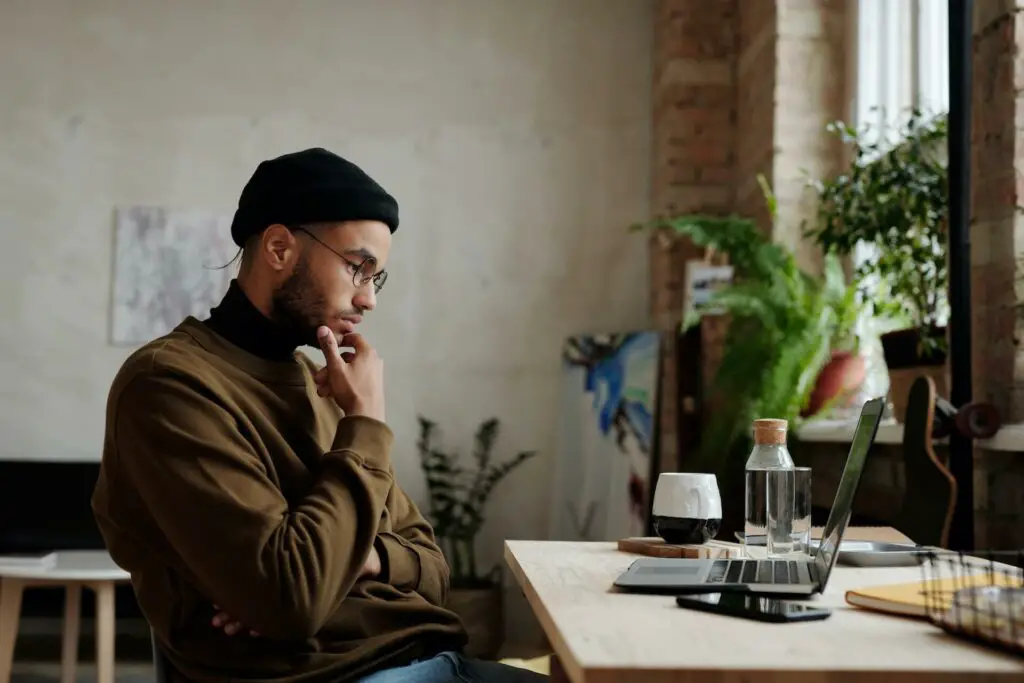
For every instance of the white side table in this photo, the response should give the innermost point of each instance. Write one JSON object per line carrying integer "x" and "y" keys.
{"x": 74, "y": 570}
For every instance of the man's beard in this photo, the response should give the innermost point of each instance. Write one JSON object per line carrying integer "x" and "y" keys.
{"x": 299, "y": 307}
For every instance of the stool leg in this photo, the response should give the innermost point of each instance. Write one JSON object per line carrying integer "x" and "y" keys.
{"x": 69, "y": 640}
{"x": 104, "y": 632}
{"x": 10, "y": 615}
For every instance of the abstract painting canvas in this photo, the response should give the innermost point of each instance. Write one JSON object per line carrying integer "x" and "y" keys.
{"x": 602, "y": 480}
{"x": 167, "y": 266}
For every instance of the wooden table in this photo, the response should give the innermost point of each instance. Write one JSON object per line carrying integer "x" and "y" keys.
{"x": 600, "y": 635}
{"x": 74, "y": 570}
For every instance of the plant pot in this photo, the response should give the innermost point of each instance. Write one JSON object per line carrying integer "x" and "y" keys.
{"x": 480, "y": 608}
{"x": 906, "y": 363}
{"x": 902, "y": 349}
{"x": 838, "y": 381}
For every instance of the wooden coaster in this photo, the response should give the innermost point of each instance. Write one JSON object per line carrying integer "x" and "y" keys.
{"x": 653, "y": 546}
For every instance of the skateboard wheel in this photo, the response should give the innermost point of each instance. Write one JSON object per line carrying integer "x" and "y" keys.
{"x": 978, "y": 420}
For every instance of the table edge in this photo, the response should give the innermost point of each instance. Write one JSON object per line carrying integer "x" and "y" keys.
{"x": 566, "y": 657}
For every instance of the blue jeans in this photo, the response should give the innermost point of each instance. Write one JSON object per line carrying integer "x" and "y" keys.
{"x": 451, "y": 667}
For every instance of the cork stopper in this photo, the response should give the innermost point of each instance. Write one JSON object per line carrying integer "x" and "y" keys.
{"x": 770, "y": 432}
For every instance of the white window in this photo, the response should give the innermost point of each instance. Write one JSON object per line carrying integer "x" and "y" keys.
{"x": 902, "y": 63}
{"x": 902, "y": 59}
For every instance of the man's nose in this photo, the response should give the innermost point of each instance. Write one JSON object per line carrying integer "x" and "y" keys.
{"x": 366, "y": 298}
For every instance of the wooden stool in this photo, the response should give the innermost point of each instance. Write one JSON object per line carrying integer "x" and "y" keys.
{"x": 74, "y": 570}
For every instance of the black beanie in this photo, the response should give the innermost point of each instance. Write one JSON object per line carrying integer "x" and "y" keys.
{"x": 311, "y": 186}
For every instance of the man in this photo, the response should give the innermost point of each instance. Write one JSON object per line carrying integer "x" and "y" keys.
{"x": 250, "y": 495}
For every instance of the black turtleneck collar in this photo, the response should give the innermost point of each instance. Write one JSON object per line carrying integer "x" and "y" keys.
{"x": 236, "y": 319}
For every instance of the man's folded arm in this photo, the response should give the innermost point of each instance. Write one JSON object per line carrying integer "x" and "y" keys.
{"x": 410, "y": 555}
{"x": 280, "y": 570}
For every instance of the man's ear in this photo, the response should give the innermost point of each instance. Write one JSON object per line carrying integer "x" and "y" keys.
{"x": 278, "y": 247}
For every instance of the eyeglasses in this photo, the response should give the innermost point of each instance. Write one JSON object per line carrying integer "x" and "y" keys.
{"x": 363, "y": 272}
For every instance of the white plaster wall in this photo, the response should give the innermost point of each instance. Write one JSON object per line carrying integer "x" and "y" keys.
{"x": 515, "y": 134}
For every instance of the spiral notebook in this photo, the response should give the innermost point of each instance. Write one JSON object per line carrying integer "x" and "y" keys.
{"x": 914, "y": 599}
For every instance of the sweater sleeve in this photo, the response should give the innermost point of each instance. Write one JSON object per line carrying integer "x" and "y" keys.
{"x": 410, "y": 556}
{"x": 281, "y": 569}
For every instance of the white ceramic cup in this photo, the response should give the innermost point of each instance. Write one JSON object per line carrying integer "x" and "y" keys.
{"x": 687, "y": 507}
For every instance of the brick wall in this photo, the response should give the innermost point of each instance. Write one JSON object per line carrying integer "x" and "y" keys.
{"x": 811, "y": 91}
{"x": 997, "y": 246}
{"x": 740, "y": 88}
{"x": 996, "y": 190}
{"x": 693, "y": 157}
{"x": 694, "y": 122}
{"x": 791, "y": 82}
{"x": 755, "y": 106}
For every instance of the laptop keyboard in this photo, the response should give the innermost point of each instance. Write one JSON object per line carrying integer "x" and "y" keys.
{"x": 754, "y": 571}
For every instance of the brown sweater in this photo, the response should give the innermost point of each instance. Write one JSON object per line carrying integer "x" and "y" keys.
{"x": 227, "y": 481}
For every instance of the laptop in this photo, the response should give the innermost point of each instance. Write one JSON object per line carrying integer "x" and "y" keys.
{"x": 793, "y": 577}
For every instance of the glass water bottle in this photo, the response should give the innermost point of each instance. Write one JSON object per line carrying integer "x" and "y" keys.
{"x": 768, "y": 512}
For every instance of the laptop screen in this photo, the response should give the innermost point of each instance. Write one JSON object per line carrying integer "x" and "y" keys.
{"x": 842, "y": 508}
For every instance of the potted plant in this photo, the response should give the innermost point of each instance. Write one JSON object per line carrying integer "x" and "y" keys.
{"x": 843, "y": 375}
{"x": 892, "y": 201}
{"x": 457, "y": 497}
{"x": 784, "y": 327}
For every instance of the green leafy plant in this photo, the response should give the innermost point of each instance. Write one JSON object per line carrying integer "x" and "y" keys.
{"x": 893, "y": 198}
{"x": 783, "y": 325}
{"x": 458, "y": 495}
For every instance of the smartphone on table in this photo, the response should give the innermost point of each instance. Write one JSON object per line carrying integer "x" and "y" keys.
{"x": 752, "y": 607}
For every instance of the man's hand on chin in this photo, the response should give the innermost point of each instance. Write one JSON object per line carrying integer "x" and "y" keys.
{"x": 232, "y": 626}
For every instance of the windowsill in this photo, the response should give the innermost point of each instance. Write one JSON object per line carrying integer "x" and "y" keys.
{"x": 841, "y": 431}
{"x": 1009, "y": 438}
